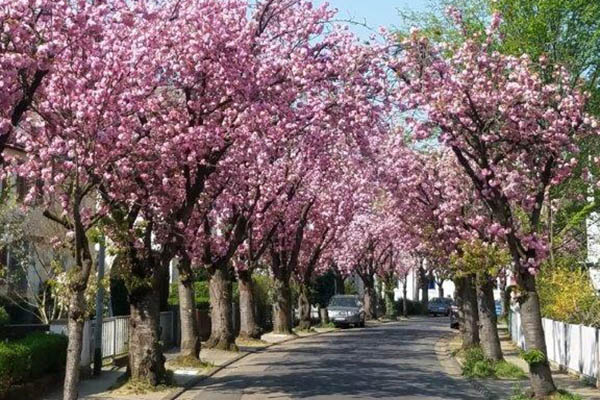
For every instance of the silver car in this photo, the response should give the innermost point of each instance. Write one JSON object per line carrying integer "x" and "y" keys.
{"x": 346, "y": 310}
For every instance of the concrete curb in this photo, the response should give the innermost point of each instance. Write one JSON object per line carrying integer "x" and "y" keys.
{"x": 195, "y": 381}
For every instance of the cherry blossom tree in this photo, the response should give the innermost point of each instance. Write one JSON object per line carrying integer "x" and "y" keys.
{"x": 70, "y": 133}
{"x": 514, "y": 137}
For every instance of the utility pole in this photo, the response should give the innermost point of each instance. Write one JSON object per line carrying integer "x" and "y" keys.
{"x": 99, "y": 312}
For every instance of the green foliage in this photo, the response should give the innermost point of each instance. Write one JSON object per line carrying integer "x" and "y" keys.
{"x": 323, "y": 289}
{"x": 263, "y": 287}
{"x": 506, "y": 370}
{"x": 566, "y": 293}
{"x": 350, "y": 287}
{"x": 414, "y": 307}
{"x": 201, "y": 294}
{"x": 519, "y": 394}
{"x": 478, "y": 366}
{"x": 31, "y": 358}
{"x": 4, "y": 317}
{"x": 533, "y": 356}
{"x": 479, "y": 256}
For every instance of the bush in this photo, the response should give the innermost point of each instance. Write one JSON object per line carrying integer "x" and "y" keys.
{"x": 567, "y": 294}
{"x": 414, "y": 307}
{"x": 201, "y": 293}
{"x": 263, "y": 286}
{"x": 477, "y": 366}
{"x": 31, "y": 357}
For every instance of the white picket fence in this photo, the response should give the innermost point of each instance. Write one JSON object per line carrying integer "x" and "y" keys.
{"x": 573, "y": 347}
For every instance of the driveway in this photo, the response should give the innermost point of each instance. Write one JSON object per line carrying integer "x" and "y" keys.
{"x": 387, "y": 361}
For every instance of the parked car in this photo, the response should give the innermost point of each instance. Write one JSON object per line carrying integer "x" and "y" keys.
{"x": 439, "y": 306}
{"x": 346, "y": 310}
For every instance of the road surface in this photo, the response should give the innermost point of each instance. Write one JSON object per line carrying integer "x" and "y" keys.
{"x": 386, "y": 361}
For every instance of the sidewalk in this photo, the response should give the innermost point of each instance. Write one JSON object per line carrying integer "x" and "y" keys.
{"x": 503, "y": 389}
{"x": 103, "y": 386}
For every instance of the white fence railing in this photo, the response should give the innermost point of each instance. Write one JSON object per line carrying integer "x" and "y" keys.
{"x": 115, "y": 336}
{"x": 573, "y": 347}
{"x": 115, "y": 333}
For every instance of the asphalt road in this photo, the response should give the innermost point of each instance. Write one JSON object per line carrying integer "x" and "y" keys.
{"x": 388, "y": 361}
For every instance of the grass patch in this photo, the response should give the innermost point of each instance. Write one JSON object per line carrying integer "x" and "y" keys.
{"x": 327, "y": 325}
{"x": 504, "y": 369}
{"x": 247, "y": 342}
{"x": 519, "y": 394}
{"x": 188, "y": 362}
{"x": 127, "y": 386}
{"x": 477, "y": 366}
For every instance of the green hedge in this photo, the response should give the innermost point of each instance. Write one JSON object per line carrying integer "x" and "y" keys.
{"x": 414, "y": 307}
{"x": 30, "y": 358}
{"x": 201, "y": 293}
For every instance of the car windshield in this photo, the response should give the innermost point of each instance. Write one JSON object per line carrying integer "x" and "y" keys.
{"x": 343, "y": 302}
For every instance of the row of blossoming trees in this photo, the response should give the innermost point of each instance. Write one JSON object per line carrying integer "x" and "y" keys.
{"x": 234, "y": 135}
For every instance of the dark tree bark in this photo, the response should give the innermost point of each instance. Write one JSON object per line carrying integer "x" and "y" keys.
{"x": 249, "y": 328}
{"x": 488, "y": 324}
{"x": 80, "y": 274}
{"x": 304, "y": 308}
{"x": 404, "y": 294}
{"x": 468, "y": 312}
{"x": 370, "y": 298}
{"x": 423, "y": 284}
{"x": 146, "y": 360}
{"x": 540, "y": 374}
{"x": 440, "y": 289}
{"x": 282, "y": 310}
{"x": 75, "y": 333}
{"x": 220, "y": 287}
{"x": 190, "y": 337}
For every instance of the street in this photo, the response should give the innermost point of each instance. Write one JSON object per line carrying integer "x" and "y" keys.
{"x": 389, "y": 361}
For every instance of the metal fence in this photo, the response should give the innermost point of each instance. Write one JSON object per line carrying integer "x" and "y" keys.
{"x": 115, "y": 336}
{"x": 115, "y": 333}
{"x": 572, "y": 347}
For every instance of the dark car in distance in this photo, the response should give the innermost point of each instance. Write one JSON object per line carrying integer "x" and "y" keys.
{"x": 346, "y": 310}
{"x": 439, "y": 306}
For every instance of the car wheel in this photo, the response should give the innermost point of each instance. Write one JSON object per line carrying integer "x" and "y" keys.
{"x": 362, "y": 324}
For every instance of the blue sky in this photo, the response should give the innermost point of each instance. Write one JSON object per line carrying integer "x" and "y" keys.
{"x": 375, "y": 12}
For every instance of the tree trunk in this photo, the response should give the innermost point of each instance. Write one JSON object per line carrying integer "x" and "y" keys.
{"x": 146, "y": 360}
{"x": 540, "y": 375}
{"x": 488, "y": 324}
{"x": 324, "y": 314}
{"x": 304, "y": 308}
{"x": 404, "y": 294}
{"x": 190, "y": 338}
{"x": 282, "y": 310}
{"x": 249, "y": 328}
{"x": 390, "y": 304}
{"x": 370, "y": 300}
{"x": 75, "y": 332}
{"x": 468, "y": 312}
{"x": 441, "y": 290}
{"x": 424, "y": 286}
{"x": 220, "y": 288}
